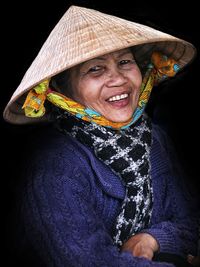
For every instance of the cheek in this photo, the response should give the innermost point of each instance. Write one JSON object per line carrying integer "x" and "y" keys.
{"x": 88, "y": 91}
{"x": 137, "y": 77}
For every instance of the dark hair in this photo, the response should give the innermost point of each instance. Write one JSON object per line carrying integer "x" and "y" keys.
{"x": 62, "y": 83}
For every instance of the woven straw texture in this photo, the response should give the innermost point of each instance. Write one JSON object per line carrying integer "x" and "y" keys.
{"x": 82, "y": 34}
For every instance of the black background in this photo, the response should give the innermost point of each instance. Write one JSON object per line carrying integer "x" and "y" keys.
{"x": 27, "y": 25}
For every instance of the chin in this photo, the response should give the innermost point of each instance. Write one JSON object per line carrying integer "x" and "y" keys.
{"x": 120, "y": 115}
{"x": 120, "y": 118}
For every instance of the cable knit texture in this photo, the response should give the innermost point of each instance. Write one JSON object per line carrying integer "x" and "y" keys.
{"x": 70, "y": 201}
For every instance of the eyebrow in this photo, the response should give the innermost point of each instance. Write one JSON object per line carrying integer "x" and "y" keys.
{"x": 124, "y": 53}
{"x": 102, "y": 58}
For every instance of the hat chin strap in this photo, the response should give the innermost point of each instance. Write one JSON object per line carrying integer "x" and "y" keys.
{"x": 160, "y": 68}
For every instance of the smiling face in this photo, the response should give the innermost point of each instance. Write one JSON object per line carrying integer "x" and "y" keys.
{"x": 109, "y": 84}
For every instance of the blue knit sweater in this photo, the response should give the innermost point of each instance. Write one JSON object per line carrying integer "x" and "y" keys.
{"x": 71, "y": 200}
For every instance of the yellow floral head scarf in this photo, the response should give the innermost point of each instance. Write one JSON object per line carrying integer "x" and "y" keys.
{"x": 160, "y": 68}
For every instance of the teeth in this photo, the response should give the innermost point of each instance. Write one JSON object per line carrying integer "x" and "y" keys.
{"x": 117, "y": 97}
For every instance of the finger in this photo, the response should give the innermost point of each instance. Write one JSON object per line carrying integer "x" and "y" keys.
{"x": 190, "y": 258}
{"x": 146, "y": 253}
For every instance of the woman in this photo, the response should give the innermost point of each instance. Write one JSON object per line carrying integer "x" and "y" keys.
{"x": 101, "y": 188}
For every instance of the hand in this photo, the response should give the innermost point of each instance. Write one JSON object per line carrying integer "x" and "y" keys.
{"x": 141, "y": 245}
{"x": 194, "y": 261}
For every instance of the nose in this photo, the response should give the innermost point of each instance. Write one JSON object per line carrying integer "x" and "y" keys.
{"x": 115, "y": 78}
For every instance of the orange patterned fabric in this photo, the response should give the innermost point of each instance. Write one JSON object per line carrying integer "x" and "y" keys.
{"x": 159, "y": 69}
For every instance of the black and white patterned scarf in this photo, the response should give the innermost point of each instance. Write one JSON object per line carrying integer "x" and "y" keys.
{"x": 127, "y": 153}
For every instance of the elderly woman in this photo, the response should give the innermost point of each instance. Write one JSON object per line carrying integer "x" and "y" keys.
{"x": 101, "y": 188}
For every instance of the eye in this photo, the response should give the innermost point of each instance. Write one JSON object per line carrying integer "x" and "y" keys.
{"x": 95, "y": 69}
{"x": 125, "y": 62}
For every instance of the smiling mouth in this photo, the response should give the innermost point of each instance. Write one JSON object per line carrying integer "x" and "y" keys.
{"x": 118, "y": 97}
{"x": 119, "y": 101}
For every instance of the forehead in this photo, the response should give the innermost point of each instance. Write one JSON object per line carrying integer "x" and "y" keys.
{"x": 116, "y": 54}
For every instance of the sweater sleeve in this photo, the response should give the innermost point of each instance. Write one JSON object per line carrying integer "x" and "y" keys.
{"x": 60, "y": 219}
{"x": 177, "y": 229}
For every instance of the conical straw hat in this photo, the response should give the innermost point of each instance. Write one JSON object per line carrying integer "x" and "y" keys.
{"x": 82, "y": 34}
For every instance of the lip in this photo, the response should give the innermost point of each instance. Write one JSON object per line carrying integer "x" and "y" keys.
{"x": 119, "y": 93}
{"x": 120, "y": 103}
